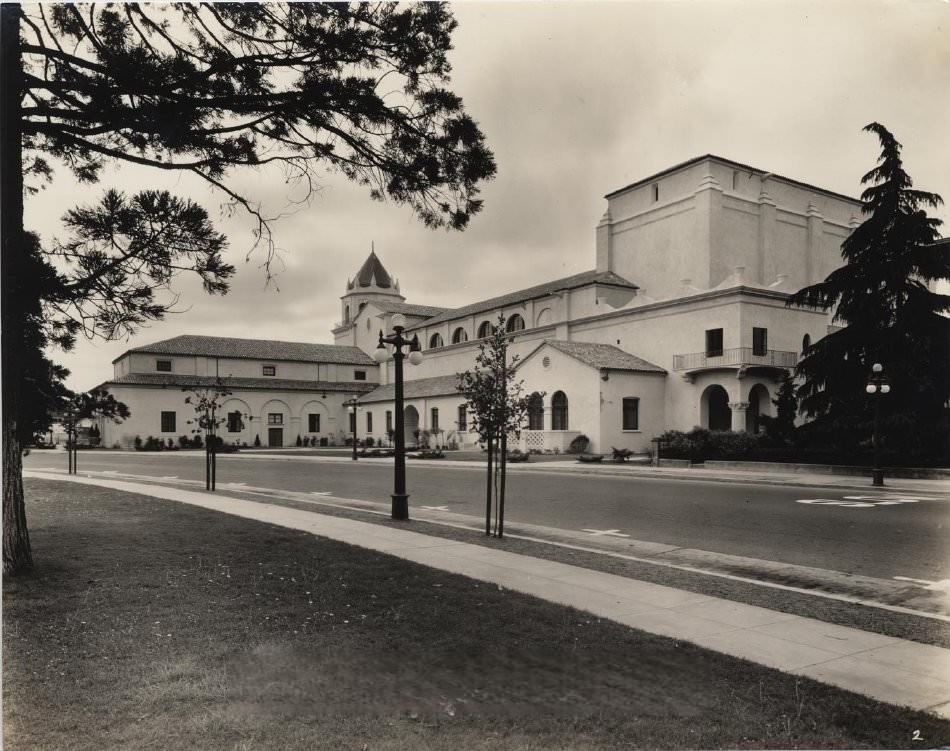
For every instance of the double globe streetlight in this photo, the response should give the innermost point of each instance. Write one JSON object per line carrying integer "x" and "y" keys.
{"x": 414, "y": 352}
{"x": 877, "y": 387}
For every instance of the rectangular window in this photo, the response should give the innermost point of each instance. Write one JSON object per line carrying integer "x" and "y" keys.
{"x": 369, "y": 422}
{"x": 714, "y": 343}
{"x": 269, "y": 370}
{"x": 463, "y": 417}
{"x": 359, "y": 375}
{"x": 435, "y": 418}
{"x": 631, "y": 413}
{"x": 352, "y": 421}
{"x": 168, "y": 422}
{"x": 235, "y": 424}
{"x": 389, "y": 420}
{"x": 656, "y": 193}
{"x": 163, "y": 366}
{"x": 760, "y": 341}
{"x": 313, "y": 423}
{"x": 275, "y": 418}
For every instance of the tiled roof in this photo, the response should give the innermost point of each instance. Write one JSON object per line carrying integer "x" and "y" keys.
{"x": 178, "y": 380}
{"x": 417, "y": 389}
{"x": 372, "y": 271}
{"x": 423, "y": 311}
{"x": 540, "y": 290}
{"x": 255, "y": 349}
{"x": 604, "y": 356}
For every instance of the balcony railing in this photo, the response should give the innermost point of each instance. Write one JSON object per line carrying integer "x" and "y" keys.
{"x": 741, "y": 357}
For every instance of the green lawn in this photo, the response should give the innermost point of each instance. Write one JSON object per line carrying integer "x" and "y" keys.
{"x": 148, "y": 624}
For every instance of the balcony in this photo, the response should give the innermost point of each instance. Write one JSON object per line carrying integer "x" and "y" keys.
{"x": 740, "y": 358}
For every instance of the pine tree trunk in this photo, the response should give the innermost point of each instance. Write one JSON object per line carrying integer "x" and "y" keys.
{"x": 16, "y": 539}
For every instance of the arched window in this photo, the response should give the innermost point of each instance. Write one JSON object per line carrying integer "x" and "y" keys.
{"x": 459, "y": 336}
{"x": 515, "y": 323}
{"x": 485, "y": 329}
{"x": 559, "y": 411}
{"x": 346, "y": 314}
{"x": 536, "y": 412}
{"x": 806, "y": 343}
{"x": 435, "y": 341}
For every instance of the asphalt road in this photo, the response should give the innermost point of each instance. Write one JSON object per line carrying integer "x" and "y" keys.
{"x": 747, "y": 519}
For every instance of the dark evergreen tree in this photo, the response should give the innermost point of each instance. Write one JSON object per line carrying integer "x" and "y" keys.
{"x": 884, "y": 301}
{"x": 780, "y": 427}
{"x": 204, "y": 88}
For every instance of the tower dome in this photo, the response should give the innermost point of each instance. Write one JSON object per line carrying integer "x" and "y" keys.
{"x": 371, "y": 274}
{"x": 372, "y": 282}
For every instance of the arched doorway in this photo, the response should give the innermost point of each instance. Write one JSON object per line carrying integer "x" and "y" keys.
{"x": 758, "y": 405}
{"x": 714, "y": 405}
{"x": 535, "y": 412}
{"x": 559, "y": 411}
{"x": 410, "y": 424}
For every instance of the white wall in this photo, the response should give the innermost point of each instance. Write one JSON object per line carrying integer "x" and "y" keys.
{"x": 146, "y": 404}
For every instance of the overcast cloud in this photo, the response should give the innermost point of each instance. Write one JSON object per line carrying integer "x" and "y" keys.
{"x": 578, "y": 99}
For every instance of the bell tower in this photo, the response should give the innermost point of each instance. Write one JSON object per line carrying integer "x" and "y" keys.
{"x": 372, "y": 282}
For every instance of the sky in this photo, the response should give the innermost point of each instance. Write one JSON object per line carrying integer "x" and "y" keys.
{"x": 576, "y": 99}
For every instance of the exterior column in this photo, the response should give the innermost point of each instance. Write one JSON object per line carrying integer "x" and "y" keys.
{"x": 709, "y": 215}
{"x": 765, "y": 256}
{"x": 605, "y": 250}
{"x": 816, "y": 228}
{"x": 738, "y": 415}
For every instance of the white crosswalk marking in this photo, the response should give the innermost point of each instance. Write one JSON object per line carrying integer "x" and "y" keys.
{"x": 604, "y": 533}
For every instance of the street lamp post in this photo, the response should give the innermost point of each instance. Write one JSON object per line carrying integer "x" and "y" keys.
{"x": 877, "y": 387}
{"x": 398, "y": 341}
{"x": 351, "y": 403}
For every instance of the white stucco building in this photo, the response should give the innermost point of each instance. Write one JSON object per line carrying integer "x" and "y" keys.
{"x": 681, "y": 322}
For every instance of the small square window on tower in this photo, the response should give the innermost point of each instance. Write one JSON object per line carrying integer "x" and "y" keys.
{"x": 269, "y": 370}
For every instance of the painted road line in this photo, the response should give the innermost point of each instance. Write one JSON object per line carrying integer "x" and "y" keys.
{"x": 604, "y": 533}
{"x": 861, "y": 501}
{"x": 435, "y": 508}
{"x": 943, "y": 585}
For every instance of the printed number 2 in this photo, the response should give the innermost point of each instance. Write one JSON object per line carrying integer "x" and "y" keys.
{"x": 916, "y": 736}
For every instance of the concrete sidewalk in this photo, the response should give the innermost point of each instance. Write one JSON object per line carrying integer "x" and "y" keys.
{"x": 893, "y": 670}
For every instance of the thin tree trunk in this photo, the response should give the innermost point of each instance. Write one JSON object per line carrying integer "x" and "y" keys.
{"x": 501, "y": 495}
{"x": 488, "y": 493}
{"x": 503, "y": 458}
{"x": 14, "y": 304}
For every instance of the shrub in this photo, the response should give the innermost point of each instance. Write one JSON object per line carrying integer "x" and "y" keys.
{"x": 257, "y": 440}
{"x": 324, "y": 441}
{"x": 370, "y": 442}
{"x": 137, "y": 443}
{"x": 170, "y": 443}
{"x": 516, "y": 455}
{"x": 579, "y": 445}
{"x": 429, "y": 454}
{"x": 590, "y": 458}
{"x": 299, "y": 441}
{"x": 197, "y": 443}
{"x": 184, "y": 441}
{"x": 621, "y": 455}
